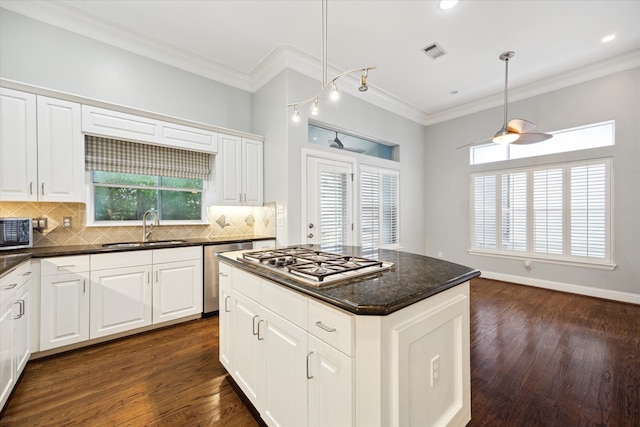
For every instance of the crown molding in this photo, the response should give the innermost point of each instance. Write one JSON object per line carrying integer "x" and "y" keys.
{"x": 572, "y": 77}
{"x": 63, "y": 15}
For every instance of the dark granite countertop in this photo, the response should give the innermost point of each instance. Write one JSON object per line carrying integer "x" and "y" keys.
{"x": 13, "y": 258}
{"x": 413, "y": 278}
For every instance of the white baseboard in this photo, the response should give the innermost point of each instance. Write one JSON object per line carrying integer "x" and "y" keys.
{"x": 565, "y": 287}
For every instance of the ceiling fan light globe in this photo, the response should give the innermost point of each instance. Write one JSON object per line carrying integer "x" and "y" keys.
{"x": 503, "y": 136}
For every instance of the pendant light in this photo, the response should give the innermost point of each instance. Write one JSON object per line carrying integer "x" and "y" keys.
{"x": 335, "y": 95}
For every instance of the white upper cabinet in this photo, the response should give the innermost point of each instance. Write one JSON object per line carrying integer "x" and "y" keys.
{"x": 239, "y": 166}
{"x": 117, "y": 125}
{"x": 41, "y": 148}
{"x": 18, "y": 146}
{"x": 60, "y": 151}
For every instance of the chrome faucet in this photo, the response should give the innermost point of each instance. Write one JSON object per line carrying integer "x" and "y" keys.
{"x": 156, "y": 221}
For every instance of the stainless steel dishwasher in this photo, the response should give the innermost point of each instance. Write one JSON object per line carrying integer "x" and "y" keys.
{"x": 211, "y": 271}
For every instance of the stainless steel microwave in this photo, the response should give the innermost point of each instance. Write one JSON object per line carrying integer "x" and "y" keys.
{"x": 15, "y": 233}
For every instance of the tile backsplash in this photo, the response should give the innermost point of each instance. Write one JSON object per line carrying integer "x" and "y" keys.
{"x": 225, "y": 221}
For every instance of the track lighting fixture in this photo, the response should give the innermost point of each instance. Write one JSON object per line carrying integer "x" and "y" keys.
{"x": 325, "y": 83}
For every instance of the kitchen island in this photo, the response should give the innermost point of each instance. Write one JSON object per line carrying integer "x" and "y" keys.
{"x": 390, "y": 348}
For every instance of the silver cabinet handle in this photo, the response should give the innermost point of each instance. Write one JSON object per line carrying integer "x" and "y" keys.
{"x": 30, "y": 187}
{"x": 157, "y": 280}
{"x": 148, "y": 277}
{"x": 21, "y": 311}
{"x": 260, "y": 339}
{"x": 240, "y": 197}
{"x": 42, "y": 188}
{"x": 226, "y": 305}
{"x": 224, "y": 274}
{"x": 67, "y": 267}
{"x": 28, "y": 273}
{"x": 254, "y": 325}
{"x": 309, "y": 376}
{"x": 11, "y": 286}
{"x": 84, "y": 286}
{"x": 320, "y": 325}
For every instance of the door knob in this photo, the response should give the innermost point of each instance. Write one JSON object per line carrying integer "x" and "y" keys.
{"x": 310, "y": 235}
{"x": 310, "y": 225}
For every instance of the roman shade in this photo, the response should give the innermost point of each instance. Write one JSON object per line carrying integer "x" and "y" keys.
{"x": 112, "y": 155}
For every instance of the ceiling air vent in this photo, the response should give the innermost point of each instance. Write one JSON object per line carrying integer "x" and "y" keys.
{"x": 434, "y": 51}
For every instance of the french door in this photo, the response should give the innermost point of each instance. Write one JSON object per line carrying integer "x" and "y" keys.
{"x": 329, "y": 205}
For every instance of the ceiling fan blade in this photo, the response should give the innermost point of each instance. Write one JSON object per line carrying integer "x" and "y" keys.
{"x": 475, "y": 143}
{"x": 520, "y": 125}
{"x": 531, "y": 138}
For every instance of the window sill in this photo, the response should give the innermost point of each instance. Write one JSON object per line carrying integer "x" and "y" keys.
{"x": 574, "y": 263}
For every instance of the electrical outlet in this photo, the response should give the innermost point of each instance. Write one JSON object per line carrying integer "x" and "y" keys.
{"x": 67, "y": 222}
{"x": 435, "y": 370}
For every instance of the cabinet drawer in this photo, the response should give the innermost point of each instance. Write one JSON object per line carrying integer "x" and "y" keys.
{"x": 225, "y": 272}
{"x": 247, "y": 283}
{"x": 23, "y": 272}
{"x": 120, "y": 260}
{"x": 64, "y": 265}
{"x": 177, "y": 254}
{"x": 332, "y": 326}
{"x": 285, "y": 303}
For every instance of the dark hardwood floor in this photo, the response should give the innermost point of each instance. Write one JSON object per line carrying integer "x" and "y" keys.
{"x": 538, "y": 358}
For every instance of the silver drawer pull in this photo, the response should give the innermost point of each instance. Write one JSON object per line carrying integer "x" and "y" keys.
{"x": 320, "y": 325}
{"x": 27, "y": 273}
{"x": 65, "y": 267}
{"x": 11, "y": 286}
{"x": 260, "y": 339}
{"x": 224, "y": 274}
{"x": 309, "y": 376}
{"x": 254, "y": 325}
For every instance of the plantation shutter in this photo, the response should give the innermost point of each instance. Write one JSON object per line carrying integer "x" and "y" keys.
{"x": 111, "y": 155}
{"x": 485, "y": 220}
{"x": 333, "y": 208}
{"x": 588, "y": 210}
{"x": 379, "y": 205}
{"x": 369, "y": 212}
{"x": 547, "y": 211}
{"x": 514, "y": 211}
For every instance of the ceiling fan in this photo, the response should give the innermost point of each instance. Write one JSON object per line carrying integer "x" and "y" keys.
{"x": 336, "y": 143}
{"x": 516, "y": 131}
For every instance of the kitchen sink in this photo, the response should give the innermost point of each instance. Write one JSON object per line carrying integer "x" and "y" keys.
{"x": 142, "y": 244}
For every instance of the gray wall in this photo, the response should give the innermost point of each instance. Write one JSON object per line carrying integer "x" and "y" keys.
{"x": 447, "y": 180}
{"x": 286, "y": 139}
{"x": 43, "y": 55}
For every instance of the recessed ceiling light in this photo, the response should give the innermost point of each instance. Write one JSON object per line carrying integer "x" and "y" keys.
{"x": 608, "y": 38}
{"x": 448, "y": 4}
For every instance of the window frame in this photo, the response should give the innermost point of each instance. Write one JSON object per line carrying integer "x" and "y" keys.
{"x": 530, "y": 254}
{"x": 90, "y": 207}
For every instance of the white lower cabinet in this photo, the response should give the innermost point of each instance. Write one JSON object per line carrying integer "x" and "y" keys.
{"x": 330, "y": 386}
{"x": 177, "y": 290}
{"x": 94, "y": 296}
{"x": 64, "y": 308}
{"x": 302, "y": 362}
{"x": 120, "y": 300}
{"x": 14, "y": 327}
{"x": 278, "y": 365}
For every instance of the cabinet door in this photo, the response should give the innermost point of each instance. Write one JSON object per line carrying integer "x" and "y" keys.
{"x": 225, "y": 318}
{"x": 114, "y": 124}
{"x": 284, "y": 367}
{"x": 247, "y": 366}
{"x": 21, "y": 316}
{"x": 330, "y": 386}
{"x": 252, "y": 179}
{"x": 177, "y": 290}
{"x": 60, "y": 151}
{"x": 64, "y": 316}
{"x": 7, "y": 370}
{"x": 120, "y": 300}
{"x": 229, "y": 170}
{"x": 18, "y": 146}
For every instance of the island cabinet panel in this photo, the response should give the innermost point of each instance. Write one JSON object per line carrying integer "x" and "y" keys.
{"x": 246, "y": 362}
{"x": 226, "y": 302}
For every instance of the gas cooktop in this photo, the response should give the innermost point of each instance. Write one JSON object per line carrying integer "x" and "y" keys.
{"x": 313, "y": 266}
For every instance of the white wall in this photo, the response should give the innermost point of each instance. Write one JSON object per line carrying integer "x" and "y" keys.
{"x": 448, "y": 172}
{"x": 43, "y": 55}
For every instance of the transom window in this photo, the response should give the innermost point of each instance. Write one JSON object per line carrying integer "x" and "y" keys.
{"x": 579, "y": 138}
